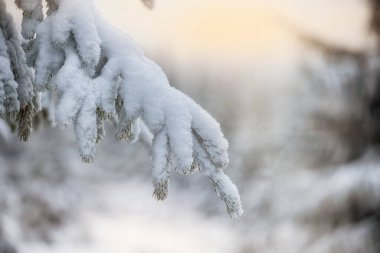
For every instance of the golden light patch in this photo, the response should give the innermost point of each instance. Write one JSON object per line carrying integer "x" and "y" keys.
{"x": 231, "y": 28}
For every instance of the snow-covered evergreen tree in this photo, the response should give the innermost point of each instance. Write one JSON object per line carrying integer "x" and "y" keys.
{"x": 97, "y": 74}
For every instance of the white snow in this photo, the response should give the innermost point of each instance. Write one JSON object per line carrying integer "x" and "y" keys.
{"x": 98, "y": 73}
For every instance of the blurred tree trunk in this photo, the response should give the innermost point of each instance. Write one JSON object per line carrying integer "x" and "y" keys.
{"x": 374, "y": 25}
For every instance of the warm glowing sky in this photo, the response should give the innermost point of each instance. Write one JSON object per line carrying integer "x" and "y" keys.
{"x": 235, "y": 32}
{"x": 235, "y": 26}
{"x": 228, "y": 27}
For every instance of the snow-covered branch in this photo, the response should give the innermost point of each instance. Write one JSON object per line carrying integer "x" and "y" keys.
{"x": 17, "y": 93}
{"x": 99, "y": 73}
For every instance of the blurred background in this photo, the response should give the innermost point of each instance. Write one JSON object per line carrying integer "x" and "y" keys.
{"x": 295, "y": 85}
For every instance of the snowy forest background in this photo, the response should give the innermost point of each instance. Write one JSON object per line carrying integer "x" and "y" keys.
{"x": 294, "y": 85}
